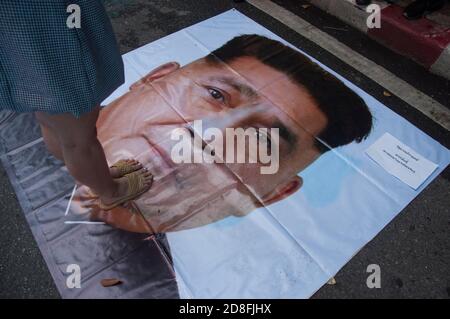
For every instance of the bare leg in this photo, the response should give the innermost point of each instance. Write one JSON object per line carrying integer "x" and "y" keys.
{"x": 51, "y": 142}
{"x": 84, "y": 155}
{"x": 54, "y": 146}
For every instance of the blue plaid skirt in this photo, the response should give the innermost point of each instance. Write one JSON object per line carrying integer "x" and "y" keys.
{"x": 47, "y": 66}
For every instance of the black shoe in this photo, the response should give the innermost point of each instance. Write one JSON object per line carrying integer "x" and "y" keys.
{"x": 418, "y": 8}
{"x": 363, "y": 2}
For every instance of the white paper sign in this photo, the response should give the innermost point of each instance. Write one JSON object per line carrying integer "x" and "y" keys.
{"x": 401, "y": 161}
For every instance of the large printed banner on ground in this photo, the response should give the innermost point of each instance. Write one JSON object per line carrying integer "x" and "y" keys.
{"x": 270, "y": 172}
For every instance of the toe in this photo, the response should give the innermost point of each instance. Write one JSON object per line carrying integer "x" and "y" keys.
{"x": 148, "y": 174}
{"x": 148, "y": 177}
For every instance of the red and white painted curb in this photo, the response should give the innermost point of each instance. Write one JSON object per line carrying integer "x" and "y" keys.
{"x": 423, "y": 40}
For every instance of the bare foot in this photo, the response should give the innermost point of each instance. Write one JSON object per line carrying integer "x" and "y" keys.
{"x": 134, "y": 164}
{"x": 122, "y": 187}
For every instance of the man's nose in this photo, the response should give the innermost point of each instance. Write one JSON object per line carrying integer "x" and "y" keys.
{"x": 168, "y": 116}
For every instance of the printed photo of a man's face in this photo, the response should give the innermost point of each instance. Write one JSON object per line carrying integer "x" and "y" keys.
{"x": 249, "y": 82}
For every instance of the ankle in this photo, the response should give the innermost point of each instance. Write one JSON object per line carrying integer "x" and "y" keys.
{"x": 111, "y": 191}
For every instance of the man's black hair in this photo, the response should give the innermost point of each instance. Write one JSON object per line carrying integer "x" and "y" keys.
{"x": 348, "y": 117}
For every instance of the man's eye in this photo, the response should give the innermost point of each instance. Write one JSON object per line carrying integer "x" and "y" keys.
{"x": 216, "y": 94}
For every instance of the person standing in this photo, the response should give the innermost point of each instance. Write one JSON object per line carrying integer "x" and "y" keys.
{"x": 62, "y": 73}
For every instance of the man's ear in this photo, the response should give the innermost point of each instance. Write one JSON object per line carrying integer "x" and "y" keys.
{"x": 157, "y": 73}
{"x": 283, "y": 191}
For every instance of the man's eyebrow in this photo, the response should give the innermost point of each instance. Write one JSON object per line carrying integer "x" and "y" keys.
{"x": 243, "y": 88}
{"x": 285, "y": 133}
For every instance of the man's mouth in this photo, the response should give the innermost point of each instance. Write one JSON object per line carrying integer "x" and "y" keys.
{"x": 193, "y": 134}
{"x": 205, "y": 146}
{"x": 161, "y": 153}
{"x": 163, "y": 167}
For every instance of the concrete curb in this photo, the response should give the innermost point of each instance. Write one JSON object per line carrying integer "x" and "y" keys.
{"x": 424, "y": 41}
